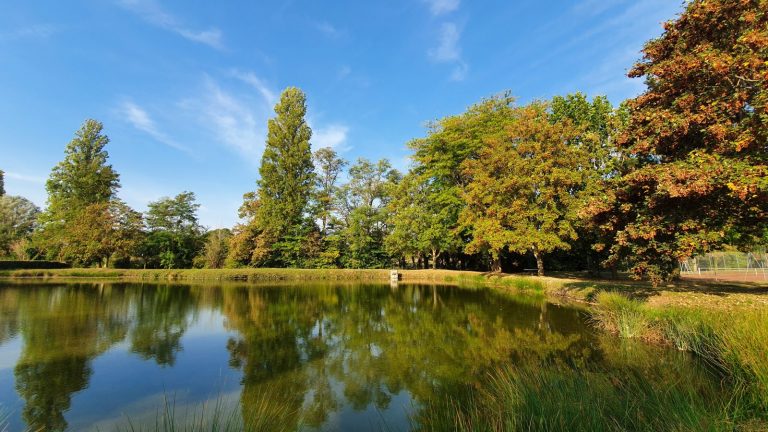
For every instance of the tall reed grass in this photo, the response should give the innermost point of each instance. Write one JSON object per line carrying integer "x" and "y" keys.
{"x": 734, "y": 342}
{"x": 562, "y": 399}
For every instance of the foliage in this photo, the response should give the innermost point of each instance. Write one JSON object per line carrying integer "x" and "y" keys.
{"x": 216, "y": 249}
{"x": 2, "y": 183}
{"x": 363, "y": 209}
{"x": 18, "y": 218}
{"x": 420, "y": 225}
{"x": 281, "y": 219}
{"x": 84, "y": 222}
{"x": 697, "y": 137}
{"x": 175, "y": 236}
{"x": 439, "y": 156}
{"x": 83, "y": 177}
{"x": 100, "y": 231}
{"x": 328, "y": 166}
{"x": 522, "y": 193}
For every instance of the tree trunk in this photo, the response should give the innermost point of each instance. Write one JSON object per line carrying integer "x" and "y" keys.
{"x": 496, "y": 264}
{"x": 434, "y": 259}
{"x": 539, "y": 262}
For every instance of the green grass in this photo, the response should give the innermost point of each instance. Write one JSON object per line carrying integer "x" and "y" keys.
{"x": 733, "y": 341}
{"x": 245, "y": 274}
{"x": 263, "y": 414}
{"x": 551, "y": 398}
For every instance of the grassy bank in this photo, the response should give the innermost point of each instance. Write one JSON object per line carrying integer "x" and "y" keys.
{"x": 735, "y": 342}
{"x": 246, "y": 274}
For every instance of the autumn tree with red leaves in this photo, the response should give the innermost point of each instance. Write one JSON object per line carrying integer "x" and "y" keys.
{"x": 698, "y": 138}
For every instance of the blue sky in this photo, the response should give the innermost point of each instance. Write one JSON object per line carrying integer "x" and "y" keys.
{"x": 185, "y": 87}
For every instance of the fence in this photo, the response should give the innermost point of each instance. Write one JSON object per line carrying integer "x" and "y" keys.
{"x": 730, "y": 266}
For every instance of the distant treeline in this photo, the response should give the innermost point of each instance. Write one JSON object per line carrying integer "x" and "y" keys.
{"x": 570, "y": 183}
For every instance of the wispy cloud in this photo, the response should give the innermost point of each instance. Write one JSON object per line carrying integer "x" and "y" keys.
{"x": 35, "y": 31}
{"x": 344, "y": 71}
{"x": 232, "y": 119}
{"x": 140, "y": 119}
{"x": 328, "y": 29}
{"x": 257, "y": 83}
{"x": 439, "y": 7}
{"x": 25, "y": 177}
{"x": 153, "y": 13}
{"x": 333, "y": 136}
{"x": 448, "y": 50}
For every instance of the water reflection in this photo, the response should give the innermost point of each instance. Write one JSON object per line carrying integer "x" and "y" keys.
{"x": 341, "y": 357}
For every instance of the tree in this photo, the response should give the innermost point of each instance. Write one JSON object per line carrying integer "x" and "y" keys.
{"x": 101, "y": 231}
{"x": 82, "y": 179}
{"x": 697, "y": 138}
{"x": 600, "y": 125}
{"x": 522, "y": 190}
{"x": 2, "y": 183}
{"x": 18, "y": 218}
{"x": 285, "y": 185}
{"x": 214, "y": 253}
{"x": 175, "y": 236}
{"x": 419, "y": 225}
{"x": 244, "y": 235}
{"x": 328, "y": 165}
{"x": 450, "y": 141}
{"x": 363, "y": 207}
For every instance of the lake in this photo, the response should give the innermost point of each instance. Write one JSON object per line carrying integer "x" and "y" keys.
{"x": 88, "y": 356}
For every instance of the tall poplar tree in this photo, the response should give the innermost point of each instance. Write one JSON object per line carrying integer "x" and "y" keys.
{"x": 285, "y": 185}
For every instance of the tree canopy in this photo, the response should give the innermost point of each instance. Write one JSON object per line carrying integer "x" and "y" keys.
{"x": 697, "y": 138}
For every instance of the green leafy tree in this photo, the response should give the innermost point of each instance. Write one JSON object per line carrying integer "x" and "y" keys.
{"x": 362, "y": 204}
{"x": 328, "y": 166}
{"x": 18, "y": 218}
{"x": 523, "y": 187}
{"x": 175, "y": 235}
{"x": 244, "y": 235}
{"x": 697, "y": 136}
{"x": 419, "y": 225}
{"x": 214, "y": 253}
{"x": 600, "y": 126}
{"x": 2, "y": 183}
{"x": 82, "y": 179}
{"x": 450, "y": 141}
{"x": 282, "y": 217}
{"x": 101, "y": 231}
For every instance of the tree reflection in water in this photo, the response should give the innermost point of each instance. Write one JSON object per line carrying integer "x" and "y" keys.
{"x": 307, "y": 354}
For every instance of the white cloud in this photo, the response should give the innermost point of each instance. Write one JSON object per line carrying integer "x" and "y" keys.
{"x": 141, "y": 120}
{"x": 328, "y": 29}
{"x": 36, "y": 31}
{"x": 25, "y": 177}
{"x": 150, "y": 11}
{"x": 439, "y": 7}
{"x": 254, "y": 81}
{"x": 447, "y": 49}
{"x": 236, "y": 122}
{"x": 333, "y": 135}
{"x": 459, "y": 72}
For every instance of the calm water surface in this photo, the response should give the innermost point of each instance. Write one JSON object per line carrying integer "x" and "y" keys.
{"x": 329, "y": 357}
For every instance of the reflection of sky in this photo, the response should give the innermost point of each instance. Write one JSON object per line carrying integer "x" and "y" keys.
{"x": 9, "y": 353}
{"x": 125, "y": 386}
{"x": 200, "y": 372}
{"x": 10, "y": 402}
